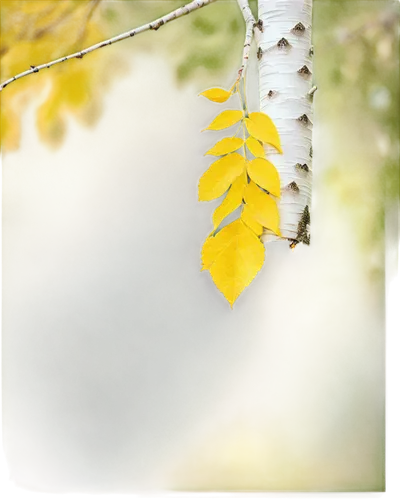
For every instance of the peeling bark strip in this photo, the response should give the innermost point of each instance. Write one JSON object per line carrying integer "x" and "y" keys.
{"x": 155, "y": 25}
{"x": 287, "y": 23}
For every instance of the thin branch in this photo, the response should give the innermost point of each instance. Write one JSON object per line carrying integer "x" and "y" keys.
{"x": 154, "y": 25}
{"x": 250, "y": 25}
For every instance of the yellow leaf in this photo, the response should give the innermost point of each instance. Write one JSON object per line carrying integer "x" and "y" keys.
{"x": 225, "y": 119}
{"x": 217, "y": 94}
{"x": 263, "y": 173}
{"x": 231, "y": 202}
{"x": 217, "y": 179}
{"x": 262, "y": 207}
{"x": 28, "y": 31}
{"x": 255, "y": 147}
{"x": 239, "y": 257}
{"x": 260, "y": 126}
{"x": 208, "y": 253}
{"x": 249, "y": 220}
{"x": 226, "y": 146}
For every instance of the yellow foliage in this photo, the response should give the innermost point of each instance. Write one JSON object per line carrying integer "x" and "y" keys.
{"x": 255, "y": 148}
{"x": 238, "y": 256}
{"x": 225, "y": 146}
{"x": 232, "y": 201}
{"x": 10, "y": 127}
{"x": 33, "y": 33}
{"x": 260, "y": 126}
{"x": 263, "y": 207}
{"x": 235, "y": 254}
{"x": 250, "y": 221}
{"x": 263, "y": 173}
{"x": 220, "y": 175}
{"x": 225, "y": 119}
{"x": 39, "y": 7}
{"x": 50, "y": 123}
{"x": 217, "y": 94}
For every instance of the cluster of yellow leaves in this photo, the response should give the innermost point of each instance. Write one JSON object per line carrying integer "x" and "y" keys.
{"x": 234, "y": 253}
{"x": 33, "y": 33}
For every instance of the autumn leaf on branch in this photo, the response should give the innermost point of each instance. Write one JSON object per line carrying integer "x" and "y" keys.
{"x": 234, "y": 254}
{"x": 233, "y": 257}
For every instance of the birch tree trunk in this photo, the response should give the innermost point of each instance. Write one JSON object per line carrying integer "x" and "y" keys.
{"x": 285, "y": 76}
{"x": 283, "y": 34}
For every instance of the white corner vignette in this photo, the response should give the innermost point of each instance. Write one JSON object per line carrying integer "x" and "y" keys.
{"x": 283, "y": 37}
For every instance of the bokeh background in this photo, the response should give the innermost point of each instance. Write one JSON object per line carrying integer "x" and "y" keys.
{"x": 124, "y": 369}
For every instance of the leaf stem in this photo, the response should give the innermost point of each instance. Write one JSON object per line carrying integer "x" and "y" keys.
{"x": 245, "y": 93}
{"x": 239, "y": 127}
{"x": 244, "y": 128}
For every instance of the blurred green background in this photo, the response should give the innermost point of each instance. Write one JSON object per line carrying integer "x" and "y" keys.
{"x": 130, "y": 370}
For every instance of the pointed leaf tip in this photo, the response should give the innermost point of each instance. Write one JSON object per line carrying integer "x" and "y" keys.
{"x": 238, "y": 255}
{"x": 220, "y": 175}
{"x": 225, "y": 146}
{"x": 217, "y": 94}
{"x": 260, "y": 126}
{"x": 225, "y": 119}
{"x": 263, "y": 207}
{"x": 263, "y": 173}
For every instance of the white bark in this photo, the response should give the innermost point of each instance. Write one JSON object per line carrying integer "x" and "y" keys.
{"x": 285, "y": 81}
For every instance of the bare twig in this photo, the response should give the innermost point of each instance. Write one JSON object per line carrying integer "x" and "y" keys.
{"x": 154, "y": 25}
{"x": 312, "y": 91}
{"x": 250, "y": 25}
